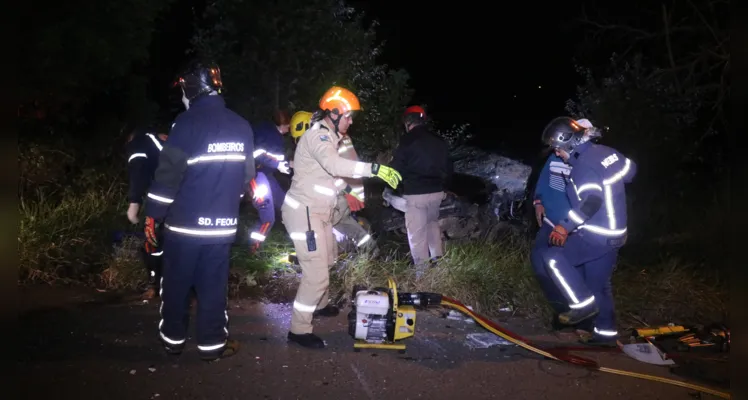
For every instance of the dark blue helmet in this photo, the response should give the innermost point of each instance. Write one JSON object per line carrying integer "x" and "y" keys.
{"x": 563, "y": 133}
{"x": 200, "y": 78}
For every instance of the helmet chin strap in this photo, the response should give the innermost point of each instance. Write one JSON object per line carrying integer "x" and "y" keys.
{"x": 185, "y": 101}
{"x": 335, "y": 122}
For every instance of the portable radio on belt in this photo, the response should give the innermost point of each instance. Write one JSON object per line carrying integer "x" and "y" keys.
{"x": 311, "y": 244}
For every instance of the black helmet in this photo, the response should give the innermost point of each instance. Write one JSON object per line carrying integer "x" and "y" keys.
{"x": 200, "y": 78}
{"x": 563, "y": 133}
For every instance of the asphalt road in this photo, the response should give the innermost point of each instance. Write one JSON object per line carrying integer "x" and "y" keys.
{"x": 76, "y": 348}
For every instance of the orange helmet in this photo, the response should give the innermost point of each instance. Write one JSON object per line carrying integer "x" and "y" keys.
{"x": 338, "y": 100}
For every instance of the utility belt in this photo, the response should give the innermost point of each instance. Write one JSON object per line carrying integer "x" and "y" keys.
{"x": 619, "y": 241}
{"x": 616, "y": 242}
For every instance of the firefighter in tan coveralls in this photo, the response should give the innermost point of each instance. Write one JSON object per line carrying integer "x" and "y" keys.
{"x": 308, "y": 207}
{"x": 343, "y": 223}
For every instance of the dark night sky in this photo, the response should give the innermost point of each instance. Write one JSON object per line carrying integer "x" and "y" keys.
{"x": 506, "y": 72}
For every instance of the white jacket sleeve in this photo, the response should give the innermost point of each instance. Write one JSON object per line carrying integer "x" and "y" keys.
{"x": 323, "y": 150}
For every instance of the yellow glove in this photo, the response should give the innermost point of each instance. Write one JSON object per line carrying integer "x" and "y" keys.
{"x": 386, "y": 174}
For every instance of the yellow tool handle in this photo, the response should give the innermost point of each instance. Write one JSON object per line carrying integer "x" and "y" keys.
{"x": 663, "y": 330}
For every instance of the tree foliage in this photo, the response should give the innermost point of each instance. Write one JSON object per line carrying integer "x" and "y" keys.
{"x": 285, "y": 54}
{"x": 663, "y": 98}
{"x": 680, "y": 43}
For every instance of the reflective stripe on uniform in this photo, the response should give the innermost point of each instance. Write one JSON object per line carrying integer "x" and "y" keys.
{"x": 161, "y": 322}
{"x": 567, "y": 288}
{"x": 216, "y": 157}
{"x": 257, "y": 236}
{"x": 201, "y": 232}
{"x": 299, "y": 235}
{"x": 212, "y": 347}
{"x": 160, "y": 199}
{"x": 137, "y": 155}
{"x": 155, "y": 141}
{"x": 605, "y": 332}
{"x": 291, "y": 202}
{"x": 303, "y": 307}
{"x": 359, "y": 169}
{"x": 363, "y": 240}
{"x": 259, "y": 152}
{"x": 324, "y": 190}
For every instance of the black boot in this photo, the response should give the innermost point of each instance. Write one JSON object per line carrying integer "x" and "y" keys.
{"x": 328, "y": 311}
{"x": 557, "y": 326}
{"x": 172, "y": 349}
{"x": 577, "y": 315}
{"x": 308, "y": 340}
{"x": 594, "y": 339}
{"x": 230, "y": 349}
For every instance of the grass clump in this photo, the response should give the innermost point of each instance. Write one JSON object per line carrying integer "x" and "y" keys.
{"x": 268, "y": 272}
{"x": 65, "y": 229}
{"x": 670, "y": 291}
{"x": 488, "y": 276}
{"x": 494, "y": 275}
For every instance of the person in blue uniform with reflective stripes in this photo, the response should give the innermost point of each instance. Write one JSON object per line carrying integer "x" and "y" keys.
{"x": 267, "y": 194}
{"x": 203, "y": 172}
{"x": 585, "y": 243}
{"x": 143, "y": 149}
{"x": 551, "y": 206}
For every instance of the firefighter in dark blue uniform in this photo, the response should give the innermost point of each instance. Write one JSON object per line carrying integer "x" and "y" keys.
{"x": 267, "y": 194}
{"x": 586, "y": 241}
{"x": 203, "y": 172}
{"x": 551, "y": 206}
{"x": 143, "y": 149}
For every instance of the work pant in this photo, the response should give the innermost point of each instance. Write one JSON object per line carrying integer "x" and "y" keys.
{"x": 153, "y": 264}
{"x": 552, "y": 293}
{"x": 153, "y": 259}
{"x": 265, "y": 206}
{"x": 422, "y": 223}
{"x": 343, "y": 224}
{"x": 315, "y": 273}
{"x": 582, "y": 272}
{"x": 206, "y": 267}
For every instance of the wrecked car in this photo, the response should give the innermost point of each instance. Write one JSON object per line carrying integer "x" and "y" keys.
{"x": 488, "y": 190}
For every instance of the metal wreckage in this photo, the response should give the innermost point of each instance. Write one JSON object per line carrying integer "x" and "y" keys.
{"x": 489, "y": 195}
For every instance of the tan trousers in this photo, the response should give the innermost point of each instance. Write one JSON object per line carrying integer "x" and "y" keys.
{"x": 315, "y": 273}
{"x": 343, "y": 222}
{"x": 422, "y": 223}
